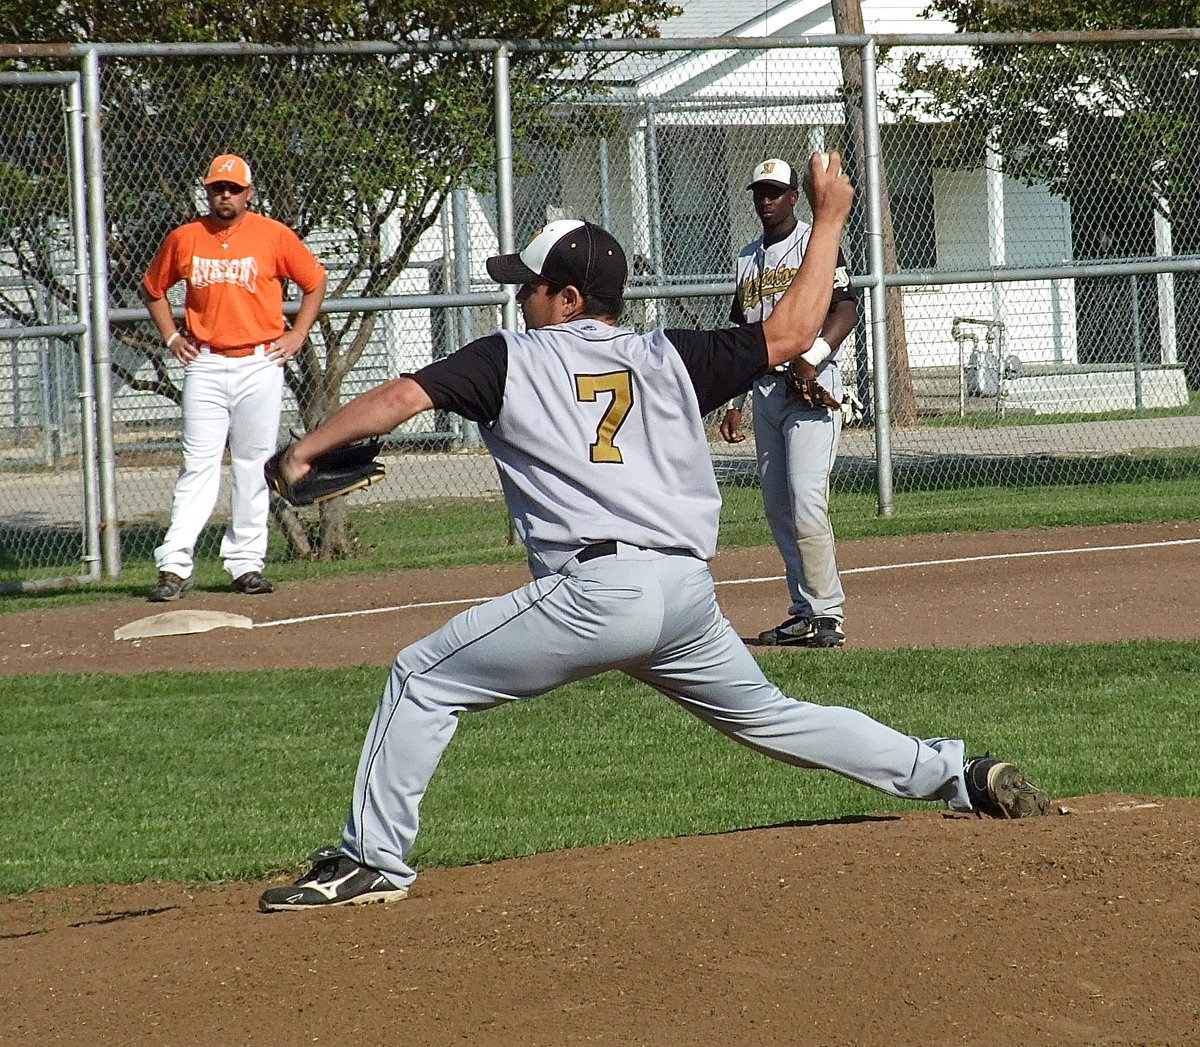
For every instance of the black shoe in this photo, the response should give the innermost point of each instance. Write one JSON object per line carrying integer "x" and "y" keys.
{"x": 170, "y": 587}
{"x": 253, "y": 584}
{"x": 334, "y": 879}
{"x": 805, "y": 632}
{"x": 826, "y": 632}
{"x": 1000, "y": 790}
{"x": 794, "y": 632}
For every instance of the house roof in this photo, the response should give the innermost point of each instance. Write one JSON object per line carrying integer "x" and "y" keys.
{"x": 705, "y": 18}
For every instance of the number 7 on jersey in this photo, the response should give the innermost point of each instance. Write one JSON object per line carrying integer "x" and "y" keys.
{"x": 619, "y": 385}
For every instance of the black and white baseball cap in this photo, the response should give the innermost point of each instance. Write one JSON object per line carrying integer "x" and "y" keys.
{"x": 567, "y": 252}
{"x": 774, "y": 172}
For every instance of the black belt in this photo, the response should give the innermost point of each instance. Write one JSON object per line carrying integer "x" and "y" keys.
{"x": 591, "y": 552}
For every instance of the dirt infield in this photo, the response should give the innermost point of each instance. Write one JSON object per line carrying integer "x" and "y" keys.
{"x": 918, "y": 929}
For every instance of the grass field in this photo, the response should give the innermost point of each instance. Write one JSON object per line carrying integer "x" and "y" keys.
{"x": 208, "y": 776}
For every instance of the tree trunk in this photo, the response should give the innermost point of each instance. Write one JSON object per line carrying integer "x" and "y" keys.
{"x": 848, "y": 20}
{"x": 318, "y": 392}
{"x": 293, "y": 528}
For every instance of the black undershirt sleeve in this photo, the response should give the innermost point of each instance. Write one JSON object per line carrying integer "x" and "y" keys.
{"x": 722, "y": 364}
{"x": 469, "y": 382}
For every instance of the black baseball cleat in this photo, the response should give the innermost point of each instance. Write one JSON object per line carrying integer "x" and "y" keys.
{"x": 1000, "y": 790}
{"x": 334, "y": 879}
{"x": 805, "y": 632}
{"x": 253, "y": 583}
{"x": 793, "y": 632}
{"x": 170, "y": 587}
{"x": 826, "y": 632}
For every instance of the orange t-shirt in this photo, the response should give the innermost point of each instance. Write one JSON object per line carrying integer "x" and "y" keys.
{"x": 234, "y": 285}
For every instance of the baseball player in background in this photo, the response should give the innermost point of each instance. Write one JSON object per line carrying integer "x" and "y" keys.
{"x": 234, "y": 264}
{"x": 598, "y": 435}
{"x": 796, "y": 444}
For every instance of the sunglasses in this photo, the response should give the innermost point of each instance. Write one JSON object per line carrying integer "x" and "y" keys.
{"x": 218, "y": 188}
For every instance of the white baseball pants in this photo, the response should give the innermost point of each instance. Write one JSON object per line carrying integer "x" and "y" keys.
{"x": 238, "y": 398}
{"x": 796, "y": 451}
{"x": 652, "y": 615}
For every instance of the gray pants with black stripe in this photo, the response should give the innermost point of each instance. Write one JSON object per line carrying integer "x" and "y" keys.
{"x": 653, "y": 615}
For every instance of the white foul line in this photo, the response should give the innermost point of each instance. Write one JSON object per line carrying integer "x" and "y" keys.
{"x": 972, "y": 559}
{"x": 753, "y": 581}
{"x": 371, "y": 610}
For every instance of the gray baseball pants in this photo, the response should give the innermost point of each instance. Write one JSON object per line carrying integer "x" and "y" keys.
{"x": 654, "y": 616}
{"x": 796, "y": 451}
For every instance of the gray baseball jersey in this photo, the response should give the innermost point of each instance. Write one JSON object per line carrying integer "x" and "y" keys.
{"x": 764, "y": 271}
{"x": 598, "y": 432}
{"x": 617, "y": 460}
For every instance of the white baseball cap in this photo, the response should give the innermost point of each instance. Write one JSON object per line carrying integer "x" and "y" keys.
{"x": 774, "y": 172}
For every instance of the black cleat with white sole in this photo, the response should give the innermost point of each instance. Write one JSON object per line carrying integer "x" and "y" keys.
{"x": 822, "y": 631}
{"x": 334, "y": 879}
{"x": 1000, "y": 790}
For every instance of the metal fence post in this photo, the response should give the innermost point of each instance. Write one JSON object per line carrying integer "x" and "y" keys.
{"x": 110, "y": 534}
{"x": 505, "y": 204}
{"x": 459, "y": 208}
{"x": 504, "y": 171}
{"x": 1135, "y": 324}
{"x": 874, "y": 238}
{"x": 86, "y": 343}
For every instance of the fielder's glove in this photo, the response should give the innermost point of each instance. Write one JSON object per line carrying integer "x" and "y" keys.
{"x": 330, "y": 475}
{"x": 811, "y": 393}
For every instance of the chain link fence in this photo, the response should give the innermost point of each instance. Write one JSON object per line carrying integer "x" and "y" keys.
{"x": 48, "y": 519}
{"x": 1029, "y": 271}
{"x": 1068, "y": 166}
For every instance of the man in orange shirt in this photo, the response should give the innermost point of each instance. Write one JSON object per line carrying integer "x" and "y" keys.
{"x": 234, "y": 263}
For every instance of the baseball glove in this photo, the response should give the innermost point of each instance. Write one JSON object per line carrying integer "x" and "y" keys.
{"x": 330, "y": 475}
{"x": 811, "y": 393}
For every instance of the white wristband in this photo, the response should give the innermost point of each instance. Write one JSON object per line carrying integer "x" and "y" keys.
{"x": 817, "y": 353}
{"x": 171, "y": 340}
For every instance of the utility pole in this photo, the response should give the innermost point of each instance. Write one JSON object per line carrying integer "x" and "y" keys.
{"x": 848, "y": 21}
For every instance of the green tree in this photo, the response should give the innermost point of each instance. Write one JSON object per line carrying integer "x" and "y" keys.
{"x": 1114, "y": 129}
{"x": 1077, "y": 118}
{"x": 363, "y": 149}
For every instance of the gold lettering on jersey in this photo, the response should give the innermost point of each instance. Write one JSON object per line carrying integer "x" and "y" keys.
{"x": 619, "y": 384}
{"x": 773, "y": 281}
{"x": 241, "y": 272}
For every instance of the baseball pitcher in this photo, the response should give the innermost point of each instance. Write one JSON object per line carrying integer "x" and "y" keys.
{"x": 598, "y": 434}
